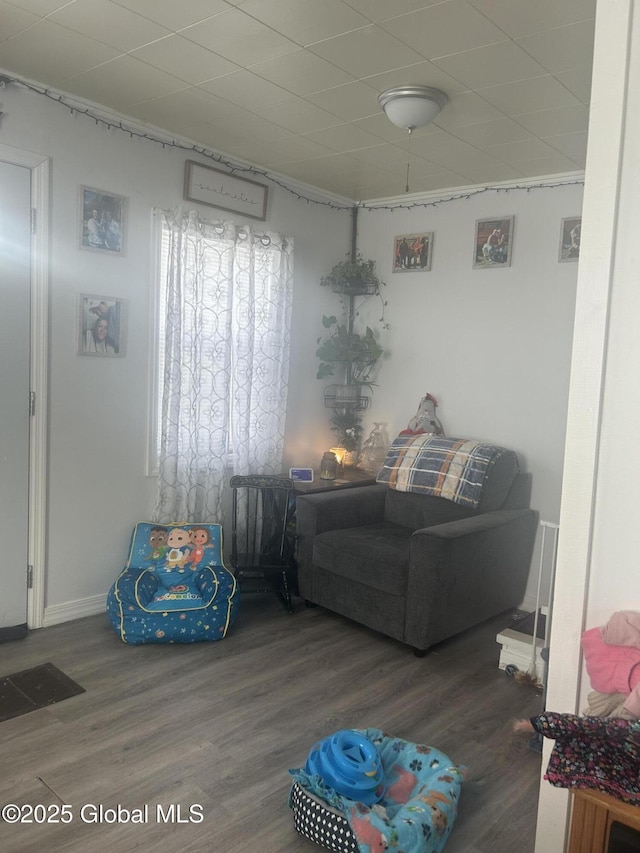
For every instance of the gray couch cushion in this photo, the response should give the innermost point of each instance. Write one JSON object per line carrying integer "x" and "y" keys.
{"x": 414, "y": 511}
{"x": 376, "y": 555}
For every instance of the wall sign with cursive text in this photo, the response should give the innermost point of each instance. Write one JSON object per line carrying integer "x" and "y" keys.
{"x": 206, "y": 185}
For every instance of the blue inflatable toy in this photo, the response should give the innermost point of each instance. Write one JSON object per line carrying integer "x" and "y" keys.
{"x": 348, "y": 762}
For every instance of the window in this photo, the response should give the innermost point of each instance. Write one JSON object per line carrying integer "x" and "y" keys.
{"x": 221, "y": 351}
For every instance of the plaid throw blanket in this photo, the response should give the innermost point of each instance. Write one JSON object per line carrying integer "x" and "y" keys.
{"x": 451, "y": 468}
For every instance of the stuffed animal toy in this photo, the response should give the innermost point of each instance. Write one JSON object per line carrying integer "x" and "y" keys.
{"x": 425, "y": 419}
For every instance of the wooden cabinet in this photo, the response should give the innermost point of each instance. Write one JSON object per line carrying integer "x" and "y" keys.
{"x": 592, "y": 819}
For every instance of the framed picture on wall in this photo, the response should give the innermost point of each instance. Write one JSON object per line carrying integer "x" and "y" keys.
{"x": 102, "y": 325}
{"x": 103, "y": 221}
{"x": 570, "y": 239}
{"x": 412, "y": 252}
{"x": 213, "y": 187}
{"x": 493, "y": 243}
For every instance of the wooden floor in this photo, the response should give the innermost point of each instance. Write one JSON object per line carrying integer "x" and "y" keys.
{"x": 218, "y": 725}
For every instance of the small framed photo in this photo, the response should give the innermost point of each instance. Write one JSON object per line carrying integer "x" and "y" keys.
{"x": 570, "y": 239}
{"x": 103, "y": 221}
{"x": 102, "y": 325}
{"x": 206, "y": 185}
{"x": 493, "y": 243}
{"x": 412, "y": 252}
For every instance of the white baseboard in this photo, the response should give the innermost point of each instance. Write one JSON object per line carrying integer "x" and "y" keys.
{"x": 57, "y": 613}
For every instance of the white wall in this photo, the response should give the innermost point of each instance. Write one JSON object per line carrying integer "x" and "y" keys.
{"x": 492, "y": 345}
{"x": 98, "y": 407}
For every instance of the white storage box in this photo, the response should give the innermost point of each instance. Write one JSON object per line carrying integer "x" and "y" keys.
{"x": 516, "y": 651}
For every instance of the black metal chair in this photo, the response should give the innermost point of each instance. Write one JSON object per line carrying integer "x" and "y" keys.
{"x": 262, "y": 535}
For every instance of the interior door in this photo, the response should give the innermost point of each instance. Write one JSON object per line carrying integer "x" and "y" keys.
{"x": 15, "y": 287}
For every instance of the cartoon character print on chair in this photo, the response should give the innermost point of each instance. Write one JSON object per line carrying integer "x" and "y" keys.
{"x": 174, "y": 587}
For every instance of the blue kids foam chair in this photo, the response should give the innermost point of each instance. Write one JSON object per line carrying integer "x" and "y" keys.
{"x": 174, "y": 587}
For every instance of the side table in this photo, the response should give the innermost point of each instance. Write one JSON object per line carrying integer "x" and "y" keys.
{"x": 350, "y": 479}
{"x": 602, "y": 824}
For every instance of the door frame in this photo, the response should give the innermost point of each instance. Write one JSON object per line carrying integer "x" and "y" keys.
{"x": 39, "y": 375}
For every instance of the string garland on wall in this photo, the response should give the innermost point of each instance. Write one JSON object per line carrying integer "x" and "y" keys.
{"x": 233, "y": 167}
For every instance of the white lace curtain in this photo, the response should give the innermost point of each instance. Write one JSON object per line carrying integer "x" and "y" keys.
{"x": 227, "y": 297}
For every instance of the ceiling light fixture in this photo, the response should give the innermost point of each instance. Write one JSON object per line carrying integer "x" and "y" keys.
{"x": 411, "y": 107}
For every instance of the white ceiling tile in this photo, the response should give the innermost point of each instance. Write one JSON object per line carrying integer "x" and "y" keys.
{"x": 491, "y": 65}
{"x": 436, "y": 31}
{"x": 366, "y": 51}
{"x": 301, "y": 72}
{"x": 251, "y": 124}
{"x": 491, "y": 174}
{"x": 175, "y": 16}
{"x": 578, "y": 81}
{"x": 292, "y": 149}
{"x": 246, "y": 89}
{"x": 298, "y": 116}
{"x": 351, "y": 101}
{"x": 553, "y": 122}
{"x": 489, "y": 133}
{"x": 329, "y": 164}
{"x": 239, "y": 38}
{"x": 380, "y": 10}
{"x": 105, "y": 22}
{"x": 39, "y": 7}
{"x": 307, "y": 170}
{"x": 422, "y": 73}
{"x": 529, "y": 96}
{"x": 383, "y": 156}
{"x": 466, "y": 108}
{"x": 574, "y": 145}
{"x": 563, "y": 48}
{"x": 122, "y": 82}
{"x": 380, "y": 126}
{"x": 230, "y": 138}
{"x": 305, "y": 21}
{"x": 546, "y": 166}
{"x": 440, "y": 181}
{"x": 185, "y": 107}
{"x": 522, "y": 17}
{"x": 523, "y": 149}
{"x": 13, "y": 20}
{"x": 343, "y": 137}
{"x": 184, "y": 59}
{"x": 29, "y": 53}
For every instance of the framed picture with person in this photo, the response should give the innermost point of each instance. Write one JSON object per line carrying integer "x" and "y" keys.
{"x": 493, "y": 243}
{"x": 412, "y": 252}
{"x": 103, "y": 221}
{"x": 102, "y": 325}
{"x": 570, "y": 239}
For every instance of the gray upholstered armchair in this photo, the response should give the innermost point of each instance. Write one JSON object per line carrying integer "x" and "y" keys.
{"x": 413, "y": 566}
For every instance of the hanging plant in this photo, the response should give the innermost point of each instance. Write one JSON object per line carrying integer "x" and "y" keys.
{"x": 358, "y": 352}
{"x": 354, "y": 276}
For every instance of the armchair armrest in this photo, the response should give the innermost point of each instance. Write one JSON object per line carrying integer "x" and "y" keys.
{"x": 466, "y": 571}
{"x": 332, "y": 511}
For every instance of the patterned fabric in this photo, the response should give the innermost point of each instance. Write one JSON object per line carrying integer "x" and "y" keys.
{"x": 418, "y": 809}
{"x": 314, "y": 819}
{"x": 224, "y": 340}
{"x": 451, "y": 468}
{"x": 173, "y": 588}
{"x": 593, "y": 752}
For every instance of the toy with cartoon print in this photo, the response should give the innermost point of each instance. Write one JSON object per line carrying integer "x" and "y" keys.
{"x": 174, "y": 587}
{"x": 348, "y": 762}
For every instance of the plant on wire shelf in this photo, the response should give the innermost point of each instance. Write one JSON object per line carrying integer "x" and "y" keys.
{"x": 358, "y": 352}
